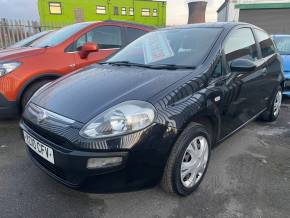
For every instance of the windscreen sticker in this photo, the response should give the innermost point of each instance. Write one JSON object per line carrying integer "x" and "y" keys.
{"x": 156, "y": 48}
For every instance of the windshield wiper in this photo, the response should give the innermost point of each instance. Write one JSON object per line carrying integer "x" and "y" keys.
{"x": 156, "y": 67}
{"x": 126, "y": 63}
{"x": 172, "y": 67}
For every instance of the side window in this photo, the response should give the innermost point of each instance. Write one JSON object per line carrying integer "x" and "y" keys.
{"x": 133, "y": 34}
{"x": 106, "y": 37}
{"x": 241, "y": 44}
{"x": 81, "y": 42}
{"x": 218, "y": 70}
{"x": 266, "y": 43}
{"x": 55, "y": 8}
{"x": 131, "y": 11}
{"x": 124, "y": 11}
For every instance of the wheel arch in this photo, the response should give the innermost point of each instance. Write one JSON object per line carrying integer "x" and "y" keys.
{"x": 209, "y": 117}
{"x": 33, "y": 80}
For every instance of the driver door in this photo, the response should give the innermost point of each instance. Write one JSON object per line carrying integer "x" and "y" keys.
{"x": 242, "y": 98}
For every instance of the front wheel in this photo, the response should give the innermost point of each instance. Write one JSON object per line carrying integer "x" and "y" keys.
{"x": 31, "y": 90}
{"x": 188, "y": 161}
{"x": 272, "y": 113}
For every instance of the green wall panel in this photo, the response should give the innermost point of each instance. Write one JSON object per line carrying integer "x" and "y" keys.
{"x": 88, "y": 8}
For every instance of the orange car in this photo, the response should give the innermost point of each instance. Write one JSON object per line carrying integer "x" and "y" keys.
{"x": 24, "y": 71}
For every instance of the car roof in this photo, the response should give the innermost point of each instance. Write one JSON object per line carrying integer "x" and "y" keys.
{"x": 225, "y": 25}
{"x": 131, "y": 23}
{"x": 120, "y": 23}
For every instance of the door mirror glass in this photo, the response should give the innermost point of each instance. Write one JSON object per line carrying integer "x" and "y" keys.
{"x": 242, "y": 65}
{"x": 88, "y": 48}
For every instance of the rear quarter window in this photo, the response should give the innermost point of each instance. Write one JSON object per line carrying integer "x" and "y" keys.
{"x": 266, "y": 43}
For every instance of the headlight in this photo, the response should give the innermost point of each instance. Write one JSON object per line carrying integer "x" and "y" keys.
{"x": 122, "y": 119}
{"x": 8, "y": 67}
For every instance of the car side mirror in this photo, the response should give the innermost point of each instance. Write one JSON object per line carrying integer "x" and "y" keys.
{"x": 88, "y": 48}
{"x": 242, "y": 66}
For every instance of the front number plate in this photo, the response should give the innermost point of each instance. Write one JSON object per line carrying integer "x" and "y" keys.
{"x": 41, "y": 149}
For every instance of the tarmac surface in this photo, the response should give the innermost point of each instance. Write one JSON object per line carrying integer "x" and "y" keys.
{"x": 248, "y": 176}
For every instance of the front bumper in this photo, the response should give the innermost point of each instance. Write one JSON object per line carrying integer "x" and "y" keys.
{"x": 142, "y": 165}
{"x": 8, "y": 109}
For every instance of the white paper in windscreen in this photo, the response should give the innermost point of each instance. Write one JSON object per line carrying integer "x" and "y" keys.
{"x": 156, "y": 48}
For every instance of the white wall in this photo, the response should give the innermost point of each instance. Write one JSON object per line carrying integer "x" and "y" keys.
{"x": 233, "y": 13}
{"x": 222, "y": 15}
{"x": 229, "y": 12}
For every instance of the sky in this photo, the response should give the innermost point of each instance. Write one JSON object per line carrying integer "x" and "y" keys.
{"x": 177, "y": 11}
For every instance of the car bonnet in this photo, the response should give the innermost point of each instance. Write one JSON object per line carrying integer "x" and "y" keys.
{"x": 83, "y": 95}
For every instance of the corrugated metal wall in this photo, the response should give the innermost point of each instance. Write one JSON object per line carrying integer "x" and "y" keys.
{"x": 274, "y": 21}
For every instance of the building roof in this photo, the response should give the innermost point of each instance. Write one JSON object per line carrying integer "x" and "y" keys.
{"x": 268, "y": 5}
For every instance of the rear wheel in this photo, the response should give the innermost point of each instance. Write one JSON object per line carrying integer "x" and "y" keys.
{"x": 272, "y": 113}
{"x": 31, "y": 90}
{"x": 188, "y": 161}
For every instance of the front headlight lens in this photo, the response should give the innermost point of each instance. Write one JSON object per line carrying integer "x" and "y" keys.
{"x": 8, "y": 67}
{"x": 122, "y": 119}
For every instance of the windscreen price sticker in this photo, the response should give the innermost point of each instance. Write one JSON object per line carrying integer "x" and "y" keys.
{"x": 156, "y": 48}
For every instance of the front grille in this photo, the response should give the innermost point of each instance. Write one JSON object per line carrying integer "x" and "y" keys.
{"x": 50, "y": 167}
{"x": 49, "y": 136}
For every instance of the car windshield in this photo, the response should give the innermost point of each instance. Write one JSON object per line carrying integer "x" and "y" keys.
{"x": 59, "y": 36}
{"x": 28, "y": 41}
{"x": 283, "y": 44}
{"x": 174, "y": 47}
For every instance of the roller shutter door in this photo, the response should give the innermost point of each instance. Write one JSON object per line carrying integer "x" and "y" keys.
{"x": 274, "y": 21}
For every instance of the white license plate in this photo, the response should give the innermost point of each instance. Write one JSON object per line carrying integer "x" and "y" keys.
{"x": 41, "y": 149}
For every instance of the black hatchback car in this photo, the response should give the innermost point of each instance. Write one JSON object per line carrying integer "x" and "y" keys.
{"x": 152, "y": 112}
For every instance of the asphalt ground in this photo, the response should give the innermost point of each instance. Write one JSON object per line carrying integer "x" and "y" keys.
{"x": 248, "y": 176}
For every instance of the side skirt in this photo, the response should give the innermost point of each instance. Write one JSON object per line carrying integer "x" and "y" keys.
{"x": 242, "y": 126}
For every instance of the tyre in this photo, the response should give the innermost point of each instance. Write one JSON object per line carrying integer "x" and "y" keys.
{"x": 188, "y": 161}
{"x": 272, "y": 113}
{"x": 31, "y": 90}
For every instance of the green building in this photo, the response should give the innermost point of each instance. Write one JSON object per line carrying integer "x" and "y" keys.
{"x": 147, "y": 12}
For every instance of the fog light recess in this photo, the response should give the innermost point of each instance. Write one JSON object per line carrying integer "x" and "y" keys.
{"x": 104, "y": 162}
